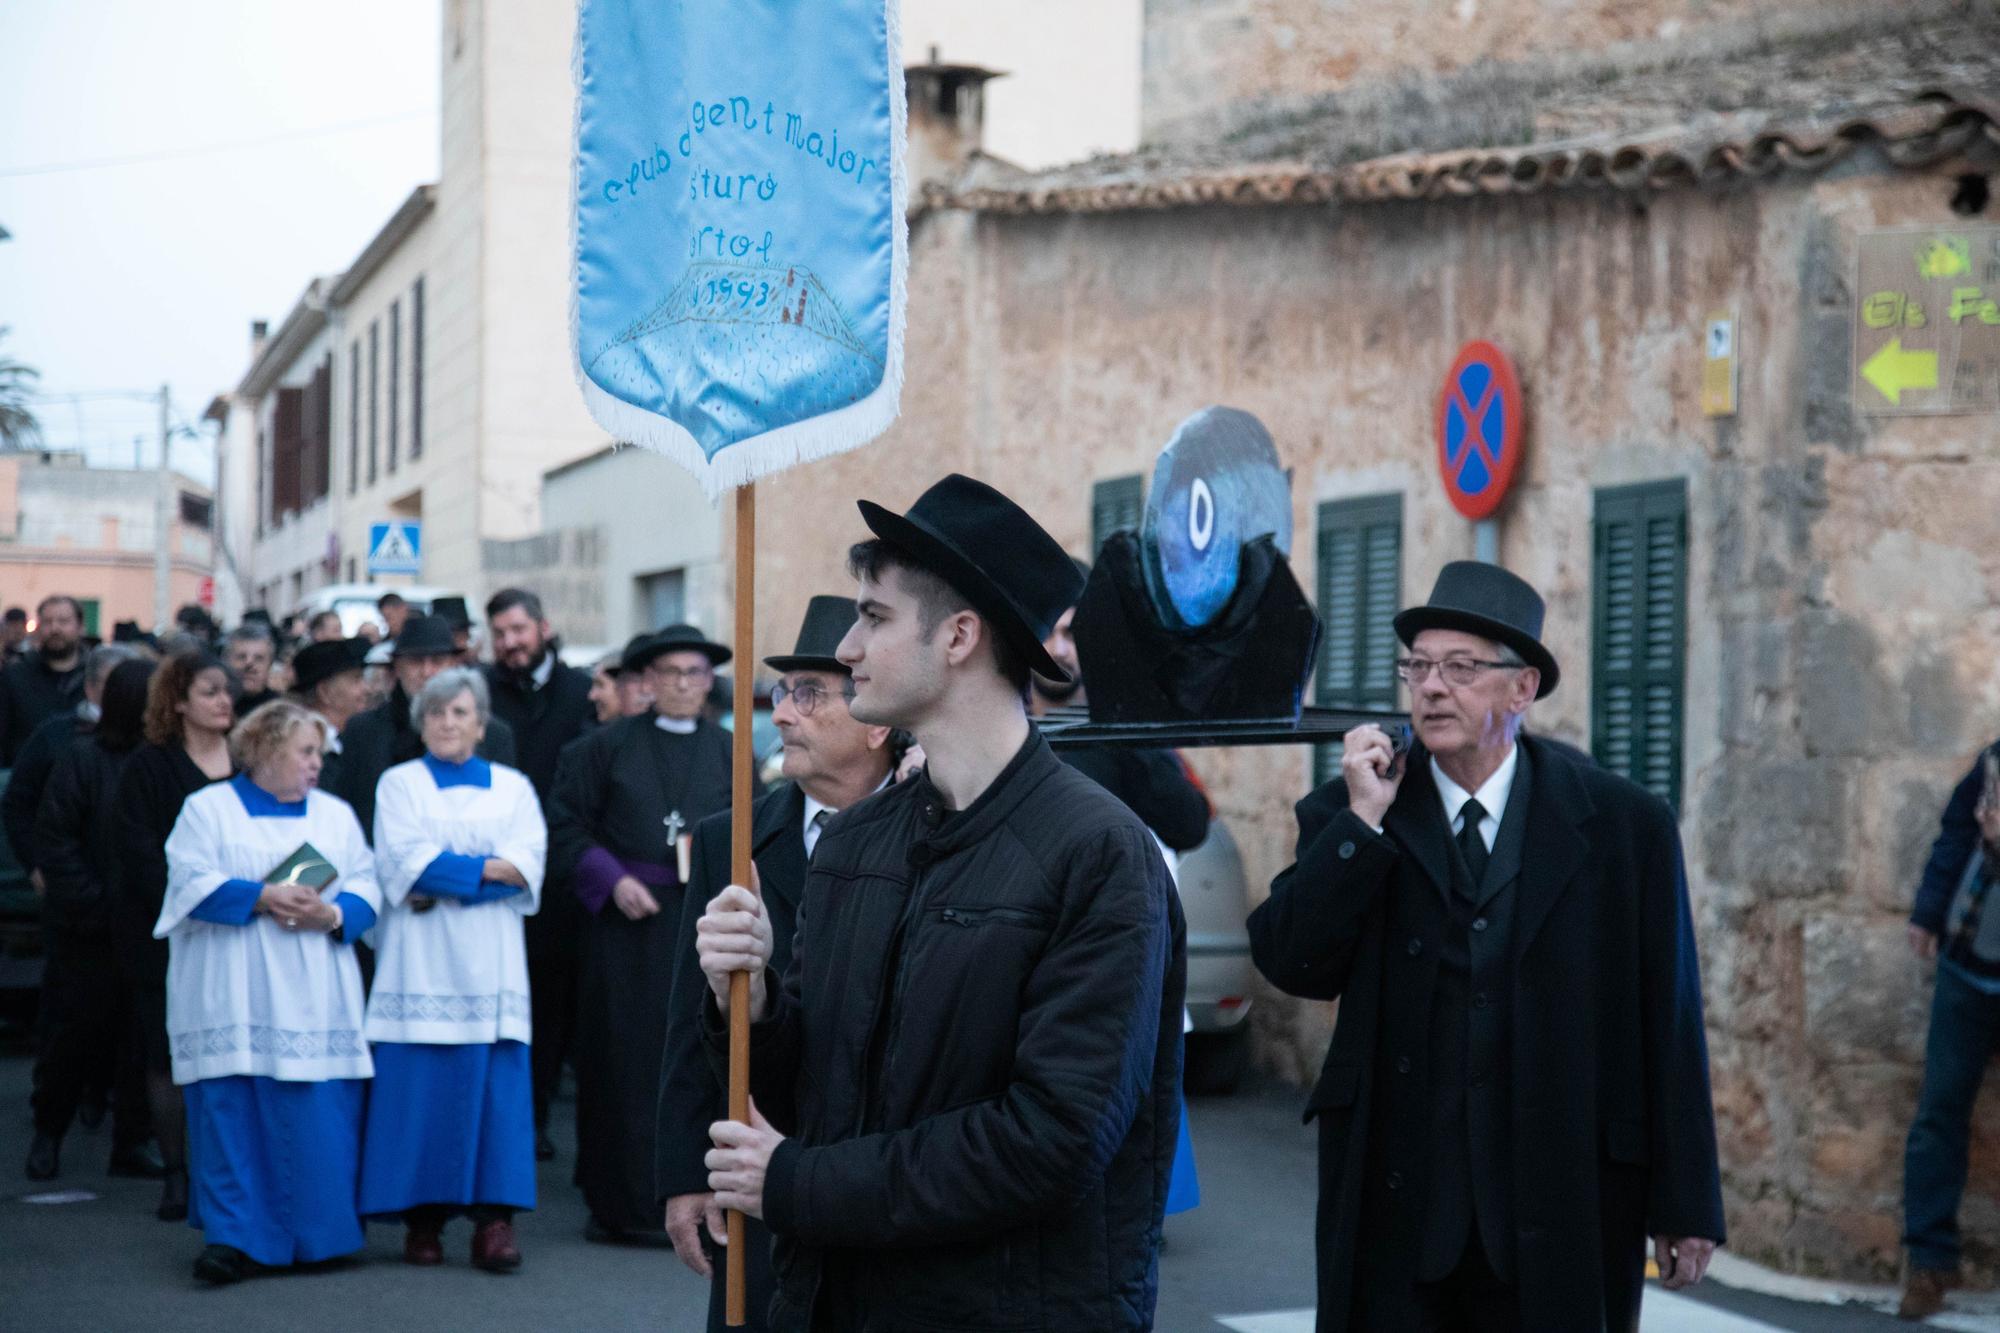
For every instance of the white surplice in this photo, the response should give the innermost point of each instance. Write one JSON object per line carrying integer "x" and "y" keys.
{"x": 457, "y": 973}
{"x": 258, "y": 998}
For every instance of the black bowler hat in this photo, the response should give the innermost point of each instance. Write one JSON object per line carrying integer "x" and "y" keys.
{"x": 998, "y": 558}
{"x": 631, "y": 654}
{"x": 323, "y": 661}
{"x": 673, "y": 639}
{"x": 827, "y": 621}
{"x": 425, "y": 636}
{"x": 1478, "y": 598}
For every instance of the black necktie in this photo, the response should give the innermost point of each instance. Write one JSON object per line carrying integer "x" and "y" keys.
{"x": 1470, "y": 845}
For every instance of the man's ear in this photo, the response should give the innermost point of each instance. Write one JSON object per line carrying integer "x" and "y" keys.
{"x": 1527, "y": 683}
{"x": 964, "y": 632}
{"x": 878, "y": 737}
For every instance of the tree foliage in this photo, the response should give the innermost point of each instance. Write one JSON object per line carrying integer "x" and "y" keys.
{"x": 19, "y": 427}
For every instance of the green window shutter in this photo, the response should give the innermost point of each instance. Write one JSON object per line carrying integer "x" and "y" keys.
{"x": 1115, "y": 505}
{"x": 1639, "y": 634}
{"x": 1360, "y": 586}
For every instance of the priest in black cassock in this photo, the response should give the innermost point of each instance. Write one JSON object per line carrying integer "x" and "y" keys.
{"x": 626, "y": 799}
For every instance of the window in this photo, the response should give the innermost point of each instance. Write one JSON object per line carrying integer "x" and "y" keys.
{"x": 374, "y": 386}
{"x": 353, "y": 416}
{"x": 1359, "y": 567}
{"x": 1638, "y": 633}
{"x": 197, "y": 511}
{"x": 92, "y": 612}
{"x": 1116, "y": 505}
{"x": 288, "y": 427}
{"x": 663, "y": 598}
{"x": 417, "y": 370}
{"x": 395, "y": 374}
{"x": 316, "y": 460}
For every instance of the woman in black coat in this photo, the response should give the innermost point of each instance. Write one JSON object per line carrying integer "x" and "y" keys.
{"x": 188, "y": 716}
{"x": 88, "y": 1005}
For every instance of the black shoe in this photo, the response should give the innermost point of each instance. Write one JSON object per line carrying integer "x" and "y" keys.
{"x": 45, "y": 1157}
{"x": 139, "y": 1161}
{"x": 220, "y": 1265}
{"x": 174, "y": 1197}
{"x": 545, "y": 1147}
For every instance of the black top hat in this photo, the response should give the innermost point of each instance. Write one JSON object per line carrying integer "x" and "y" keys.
{"x": 425, "y": 636}
{"x": 1486, "y": 600}
{"x": 827, "y": 621}
{"x": 1019, "y": 578}
{"x": 673, "y": 639}
{"x": 323, "y": 661}
{"x": 453, "y": 610}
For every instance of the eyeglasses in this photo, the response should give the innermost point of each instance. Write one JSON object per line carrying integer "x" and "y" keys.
{"x": 679, "y": 675}
{"x": 805, "y": 696}
{"x": 1457, "y": 671}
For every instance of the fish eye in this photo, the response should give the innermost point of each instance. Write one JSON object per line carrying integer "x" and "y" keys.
{"x": 1201, "y": 515}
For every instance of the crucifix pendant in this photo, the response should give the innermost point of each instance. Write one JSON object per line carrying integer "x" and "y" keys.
{"x": 679, "y": 843}
{"x": 674, "y": 824}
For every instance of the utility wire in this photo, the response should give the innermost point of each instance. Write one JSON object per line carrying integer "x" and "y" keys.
{"x": 173, "y": 154}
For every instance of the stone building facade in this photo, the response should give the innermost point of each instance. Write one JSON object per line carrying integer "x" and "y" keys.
{"x": 1825, "y": 628}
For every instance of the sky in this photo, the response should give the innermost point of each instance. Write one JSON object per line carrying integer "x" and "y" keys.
{"x": 170, "y": 172}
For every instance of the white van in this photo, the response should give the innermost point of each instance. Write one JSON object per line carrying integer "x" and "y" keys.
{"x": 355, "y": 603}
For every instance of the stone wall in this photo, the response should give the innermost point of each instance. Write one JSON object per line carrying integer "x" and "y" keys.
{"x": 1214, "y": 67}
{"x": 1842, "y": 577}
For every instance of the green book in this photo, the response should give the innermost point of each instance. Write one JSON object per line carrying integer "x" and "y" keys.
{"x": 305, "y": 866}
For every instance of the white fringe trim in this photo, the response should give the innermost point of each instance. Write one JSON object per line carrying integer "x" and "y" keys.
{"x": 822, "y": 436}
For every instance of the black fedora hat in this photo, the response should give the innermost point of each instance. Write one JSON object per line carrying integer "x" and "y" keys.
{"x": 425, "y": 636}
{"x": 827, "y": 621}
{"x": 623, "y": 662}
{"x": 322, "y": 661}
{"x": 1478, "y": 598}
{"x": 994, "y": 554}
{"x": 673, "y": 639}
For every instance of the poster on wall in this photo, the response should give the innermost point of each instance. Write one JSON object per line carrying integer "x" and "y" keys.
{"x": 740, "y": 244}
{"x": 1927, "y": 321}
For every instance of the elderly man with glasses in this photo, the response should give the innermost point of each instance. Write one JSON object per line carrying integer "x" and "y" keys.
{"x": 832, "y": 761}
{"x": 622, "y": 814}
{"x": 1517, "y": 1094}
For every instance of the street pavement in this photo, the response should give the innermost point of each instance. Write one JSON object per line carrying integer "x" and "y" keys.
{"x": 1242, "y": 1261}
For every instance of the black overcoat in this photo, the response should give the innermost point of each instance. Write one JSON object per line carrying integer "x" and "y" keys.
{"x": 1614, "y": 1129}
{"x": 691, "y": 1099}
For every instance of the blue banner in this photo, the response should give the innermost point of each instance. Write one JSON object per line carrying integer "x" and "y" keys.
{"x": 740, "y": 239}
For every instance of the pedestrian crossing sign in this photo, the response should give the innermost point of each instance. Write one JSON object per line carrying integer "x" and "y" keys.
{"x": 395, "y": 548}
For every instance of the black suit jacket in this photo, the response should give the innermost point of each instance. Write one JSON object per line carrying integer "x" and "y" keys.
{"x": 1613, "y": 1129}
{"x": 690, "y": 1098}
{"x": 543, "y": 721}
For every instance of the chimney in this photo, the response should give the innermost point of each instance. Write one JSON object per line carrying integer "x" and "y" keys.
{"x": 260, "y": 333}
{"x": 947, "y": 118}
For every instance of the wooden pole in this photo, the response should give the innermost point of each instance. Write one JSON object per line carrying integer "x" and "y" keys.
{"x": 740, "y": 868}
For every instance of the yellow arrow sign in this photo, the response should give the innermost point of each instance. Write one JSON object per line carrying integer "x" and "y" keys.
{"x": 1892, "y": 370}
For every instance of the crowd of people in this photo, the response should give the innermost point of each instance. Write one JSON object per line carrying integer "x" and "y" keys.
{"x": 370, "y": 897}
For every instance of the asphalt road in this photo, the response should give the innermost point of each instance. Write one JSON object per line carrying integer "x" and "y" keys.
{"x": 1242, "y": 1260}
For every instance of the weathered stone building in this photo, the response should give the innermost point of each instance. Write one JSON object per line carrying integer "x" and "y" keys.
{"x": 1783, "y": 619}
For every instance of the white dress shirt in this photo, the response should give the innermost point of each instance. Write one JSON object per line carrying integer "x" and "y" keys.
{"x": 1492, "y": 796}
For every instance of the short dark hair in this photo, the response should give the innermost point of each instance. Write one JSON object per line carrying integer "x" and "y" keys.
{"x": 387, "y": 600}
{"x": 252, "y": 632}
{"x": 508, "y": 598}
{"x": 17, "y": 615}
{"x": 936, "y": 598}
{"x": 59, "y": 599}
{"x": 314, "y": 622}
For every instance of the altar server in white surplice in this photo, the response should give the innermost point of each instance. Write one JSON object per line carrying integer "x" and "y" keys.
{"x": 264, "y": 1003}
{"x": 460, "y": 844}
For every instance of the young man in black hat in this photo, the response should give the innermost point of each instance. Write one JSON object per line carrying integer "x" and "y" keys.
{"x": 1517, "y": 1094}
{"x": 385, "y": 735}
{"x": 973, "y": 1057}
{"x": 327, "y": 677}
{"x": 832, "y": 762}
{"x": 547, "y": 703}
{"x": 625, "y": 799}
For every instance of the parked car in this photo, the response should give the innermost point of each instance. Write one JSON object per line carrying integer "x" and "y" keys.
{"x": 355, "y": 602}
{"x": 1215, "y": 899}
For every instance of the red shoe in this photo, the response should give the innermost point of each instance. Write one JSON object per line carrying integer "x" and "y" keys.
{"x": 423, "y": 1244}
{"x": 493, "y": 1247}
